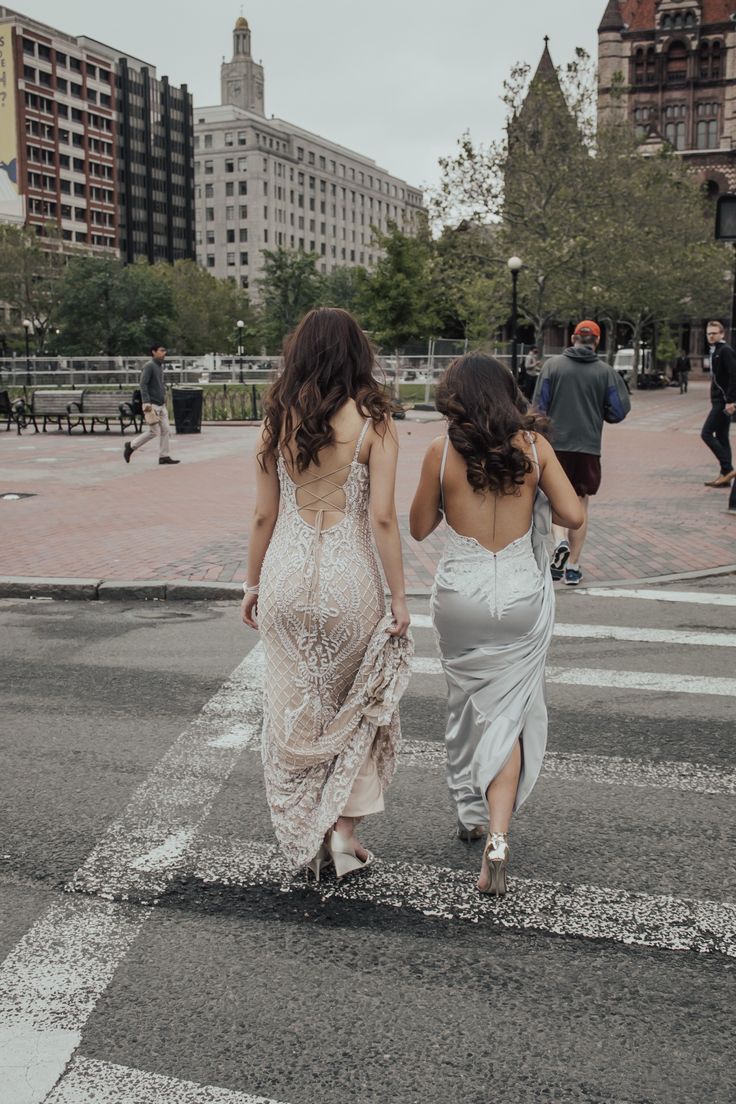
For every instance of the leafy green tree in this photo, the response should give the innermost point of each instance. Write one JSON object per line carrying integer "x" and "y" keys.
{"x": 31, "y": 267}
{"x": 344, "y": 287}
{"x": 206, "y": 310}
{"x": 109, "y": 309}
{"x": 398, "y": 301}
{"x": 290, "y": 286}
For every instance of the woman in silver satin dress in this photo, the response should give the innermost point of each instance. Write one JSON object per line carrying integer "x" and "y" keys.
{"x": 492, "y": 601}
{"x": 337, "y": 661}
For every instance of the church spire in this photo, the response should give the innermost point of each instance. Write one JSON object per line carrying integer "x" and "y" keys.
{"x": 612, "y": 18}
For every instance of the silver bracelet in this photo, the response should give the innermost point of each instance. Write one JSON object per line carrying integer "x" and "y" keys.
{"x": 251, "y": 589}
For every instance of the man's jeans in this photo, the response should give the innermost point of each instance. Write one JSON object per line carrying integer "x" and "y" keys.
{"x": 160, "y": 430}
{"x": 715, "y": 434}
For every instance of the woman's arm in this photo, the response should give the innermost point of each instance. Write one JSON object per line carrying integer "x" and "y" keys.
{"x": 425, "y": 515}
{"x": 382, "y": 462}
{"x": 567, "y": 509}
{"x": 265, "y": 513}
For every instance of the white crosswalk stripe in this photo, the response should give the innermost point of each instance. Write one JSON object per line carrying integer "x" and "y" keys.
{"x": 584, "y": 911}
{"x": 618, "y": 680}
{"x": 92, "y": 1082}
{"x": 623, "y": 632}
{"x": 694, "y": 597}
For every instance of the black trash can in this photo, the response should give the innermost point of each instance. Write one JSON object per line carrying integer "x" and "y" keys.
{"x": 187, "y": 402}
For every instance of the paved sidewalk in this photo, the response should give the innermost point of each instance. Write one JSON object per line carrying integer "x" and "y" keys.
{"x": 91, "y": 516}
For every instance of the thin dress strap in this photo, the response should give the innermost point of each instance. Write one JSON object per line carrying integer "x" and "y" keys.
{"x": 361, "y": 438}
{"x": 442, "y": 474}
{"x": 532, "y": 442}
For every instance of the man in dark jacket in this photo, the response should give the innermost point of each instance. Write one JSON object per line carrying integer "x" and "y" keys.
{"x": 722, "y": 403}
{"x": 682, "y": 371}
{"x": 153, "y": 396}
{"x": 579, "y": 392}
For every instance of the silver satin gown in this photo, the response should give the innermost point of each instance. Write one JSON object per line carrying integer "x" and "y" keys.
{"x": 493, "y": 614}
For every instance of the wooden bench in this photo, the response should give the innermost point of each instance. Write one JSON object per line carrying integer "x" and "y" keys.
{"x": 97, "y": 407}
{"x": 13, "y": 411}
{"x": 54, "y": 406}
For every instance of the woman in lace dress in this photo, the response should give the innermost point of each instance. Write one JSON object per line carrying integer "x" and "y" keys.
{"x": 492, "y": 601}
{"x": 336, "y": 661}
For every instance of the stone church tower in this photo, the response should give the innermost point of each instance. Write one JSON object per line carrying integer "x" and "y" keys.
{"x": 670, "y": 67}
{"x": 241, "y": 80}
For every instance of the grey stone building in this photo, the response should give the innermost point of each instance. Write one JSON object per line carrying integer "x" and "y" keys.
{"x": 263, "y": 183}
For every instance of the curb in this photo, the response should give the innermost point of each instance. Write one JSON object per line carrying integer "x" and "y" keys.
{"x": 191, "y": 590}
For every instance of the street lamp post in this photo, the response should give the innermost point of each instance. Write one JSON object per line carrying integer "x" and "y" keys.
{"x": 27, "y": 326}
{"x": 240, "y": 324}
{"x": 515, "y": 264}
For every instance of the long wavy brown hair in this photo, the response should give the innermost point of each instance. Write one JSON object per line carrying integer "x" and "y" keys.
{"x": 485, "y": 411}
{"x": 327, "y": 360}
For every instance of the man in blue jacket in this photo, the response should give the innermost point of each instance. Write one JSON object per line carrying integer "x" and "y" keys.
{"x": 579, "y": 392}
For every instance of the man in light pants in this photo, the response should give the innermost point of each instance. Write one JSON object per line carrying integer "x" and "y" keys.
{"x": 153, "y": 394}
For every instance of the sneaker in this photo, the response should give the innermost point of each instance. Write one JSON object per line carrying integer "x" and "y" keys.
{"x": 127, "y": 452}
{"x": 560, "y": 556}
{"x": 573, "y": 576}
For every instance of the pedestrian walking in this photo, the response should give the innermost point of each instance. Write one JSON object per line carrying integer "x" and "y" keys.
{"x": 722, "y": 403}
{"x": 337, "y": 662}
{"x": 682, "y": 370}
{"x": 155, "y": 414}
{"x": 530, "y": 372}
{"x": 492, "y": 601}
{"x": 579, "y": 392}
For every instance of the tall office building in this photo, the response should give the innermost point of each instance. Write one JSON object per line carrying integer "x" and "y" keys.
{"x": 91, "y": 140}
{"x": 262, "y": 183}
{"x": 668, "y": 66}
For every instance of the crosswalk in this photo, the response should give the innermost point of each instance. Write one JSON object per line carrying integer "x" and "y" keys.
{"x": 54, "y": 977}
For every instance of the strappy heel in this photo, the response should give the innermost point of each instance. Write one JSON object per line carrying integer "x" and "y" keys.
{"x": 321, "y": 859}
{"x": 496, "y": 859}
{"x": 345, "y": 860}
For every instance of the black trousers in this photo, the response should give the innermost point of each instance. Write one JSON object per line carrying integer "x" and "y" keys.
{"x": 715, "y": 434}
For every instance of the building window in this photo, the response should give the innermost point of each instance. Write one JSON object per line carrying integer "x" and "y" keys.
{"x": 242, "y": 138}
{"x": 229, "y": 138}
{"x": 229, "y": 213}
{"x": 230, "y": 237}
{"x": 243, "y": 258}
{"x": 676, "y": 69}
{"x": 230, "y": 188}
{"x": 209, "y": 168}
{"x": 243, "y": 211}
{"x": 229, "y": 166}
{"x": 210, "y": 237}
{"x": 209, "y": 191}
{"x": 208, "y": 141}
{"x": 210, "y": 260}
{"x": 209, "y": 214}
{"x": 231, "y": 259}
{"x": 242, "y": 164}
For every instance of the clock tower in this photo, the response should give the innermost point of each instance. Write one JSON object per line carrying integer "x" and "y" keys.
{"x": 241, "y": 80}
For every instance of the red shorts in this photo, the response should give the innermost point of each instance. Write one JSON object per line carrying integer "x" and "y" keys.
{"x": 583, "y": 470}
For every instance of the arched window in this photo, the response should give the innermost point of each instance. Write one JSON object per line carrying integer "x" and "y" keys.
{"x": 689, "y": 21}
{"x": 639, "y": 74}
{"x": 666, "y": 22}
{"x": 675, "y": 126}
{"x": 716, "y": 61}
{"x": 712, "y": 189}
{"x": 651, "y": 65}
{"x": 677, "y": 63}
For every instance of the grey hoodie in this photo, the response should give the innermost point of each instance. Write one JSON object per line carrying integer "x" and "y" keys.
{"x": 578, "y": 392}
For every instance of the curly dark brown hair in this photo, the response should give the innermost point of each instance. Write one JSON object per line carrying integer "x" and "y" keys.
{"x": 485, "y": 410}
{"x": 327, "y": 360}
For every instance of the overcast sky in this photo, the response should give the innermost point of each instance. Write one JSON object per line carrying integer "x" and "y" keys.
{"x": 397, "y": 80}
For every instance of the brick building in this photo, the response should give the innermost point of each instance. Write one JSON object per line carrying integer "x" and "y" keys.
{"x": 92, "y": 141}
{"x": 670, "y": 67}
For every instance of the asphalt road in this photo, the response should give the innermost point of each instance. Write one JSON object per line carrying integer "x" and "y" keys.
{"x": 156, "y": 950}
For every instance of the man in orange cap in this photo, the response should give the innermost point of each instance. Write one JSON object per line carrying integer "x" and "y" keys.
{"x": 579, "y": 392}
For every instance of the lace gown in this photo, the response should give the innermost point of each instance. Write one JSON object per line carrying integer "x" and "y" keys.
{"x": 334, "y": 676}
{"x": 493, "y": 614}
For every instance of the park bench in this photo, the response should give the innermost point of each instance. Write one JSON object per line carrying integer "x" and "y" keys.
{"x": 54, "y": 406}
{"x": 97, "y": 407}
{"x": 13, "y": 411}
